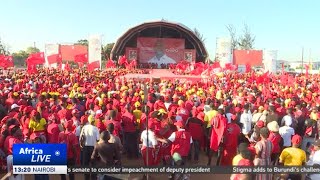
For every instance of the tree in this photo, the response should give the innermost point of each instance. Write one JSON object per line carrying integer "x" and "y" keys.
{"x": 233, "y": 36}
{"x": 199, "y": 35}
{"x": 31, "y": 50}
{"x": 107, "y": 49}
{"x": 3, "y": 48}
{"x": 19, "y": 58}
{"x": 82, "y": 42}
{"x": 246, "y": 41}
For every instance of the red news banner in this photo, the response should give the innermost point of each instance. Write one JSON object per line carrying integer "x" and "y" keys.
{"x": 197, "y": 169}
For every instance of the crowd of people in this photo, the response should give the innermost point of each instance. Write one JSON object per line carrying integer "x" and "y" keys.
{"x": 102, "y": 117}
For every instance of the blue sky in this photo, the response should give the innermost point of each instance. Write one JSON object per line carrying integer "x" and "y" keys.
{"x": 286, "y": 26}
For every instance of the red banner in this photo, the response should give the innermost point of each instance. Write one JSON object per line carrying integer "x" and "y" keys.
{"x": 160, "y": 50}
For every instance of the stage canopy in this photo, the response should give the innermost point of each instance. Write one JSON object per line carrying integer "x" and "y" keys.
{"x": 159, "y": 29}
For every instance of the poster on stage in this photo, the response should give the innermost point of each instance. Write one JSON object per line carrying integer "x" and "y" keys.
{"x": 190, "y": 55}
{"x": 132, "y": 53}
{"x": 160, "y": 50}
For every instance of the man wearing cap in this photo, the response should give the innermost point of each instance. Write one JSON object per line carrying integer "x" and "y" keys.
{"x": 181, "y": 141}
{"x": 293, "y": 156}
{"x": 89, "y": 135}
{"x": 230, "y": 146}
{"x": 314, "y": 160}
{"x": 69, "y": 138}
{"x": 150, "y": 137}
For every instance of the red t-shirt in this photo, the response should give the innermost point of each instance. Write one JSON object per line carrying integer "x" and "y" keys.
{"x": 53, "y": 133}
{"x": 128, "y": 121}
{"x": 232, "y": 133}
{"x": 70, "y": 139}
{"x": 9, "y": 142}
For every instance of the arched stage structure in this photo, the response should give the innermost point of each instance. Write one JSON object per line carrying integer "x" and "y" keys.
{"x": 159, "y": 30}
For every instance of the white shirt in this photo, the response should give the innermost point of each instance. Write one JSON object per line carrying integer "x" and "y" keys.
{"x": 172, "y": 137}
{"x": 286, "y": 134}
{"x": 91, "y": 134}
{"x": 167, "y": 104}
{"x": 256, "y": 117}
{"x": 315, "y": 159}
{"x": 163, "y": 60}
{"x": 246, "y": 120}
{"x": 152, "y": 141}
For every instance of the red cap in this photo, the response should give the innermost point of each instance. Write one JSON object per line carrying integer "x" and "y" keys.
{"x": 296, "y": 139}
{"x": 69, "y": 124}
{"x": 260, "y": 124}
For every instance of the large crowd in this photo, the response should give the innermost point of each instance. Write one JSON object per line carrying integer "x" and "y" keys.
{"x": 239, "y": 118}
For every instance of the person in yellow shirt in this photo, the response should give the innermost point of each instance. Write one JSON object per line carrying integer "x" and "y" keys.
{"x": 137, "y": 113}
{"x": 314, "y": 114}
{"x": 293, "y": 156}
{"x": 238, "y": 157}
{"x": 37, "y": 124}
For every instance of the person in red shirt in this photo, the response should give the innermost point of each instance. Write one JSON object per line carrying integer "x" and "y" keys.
{"x": 53, "y": 129}
{"x": 15, "y": 137}
{"x": 69, "y": 138}
{"x": 100, "y": 125}
{"x": 218, "y": 131}
{"x": 181, "y": 141}
{"x": 230, "y": 145}
{"x": 276, "y": 140}
{"x": 245, "y": 161}
{"x": 130, "y": 135}
{"x": 196, "y": 128}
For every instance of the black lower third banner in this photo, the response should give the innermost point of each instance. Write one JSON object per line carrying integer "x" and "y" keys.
{"x": 198, "y": 169}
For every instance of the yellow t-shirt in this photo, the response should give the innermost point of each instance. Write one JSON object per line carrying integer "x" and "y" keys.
{"x": 137, "y": 114}
{"x": 313, "y": 116}
{"x": 37, "y": 126}
{"x": 236, "y": 160}
{"x": 208, "y": 117}
{"x": 293, "y": 156}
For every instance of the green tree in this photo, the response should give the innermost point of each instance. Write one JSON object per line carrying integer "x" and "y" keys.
{"x": 19, "y": 58}
{"x": 106, "y": 50}
{"x": 82, "y": 42}
{"x": 31, "y": 50}
{"x": 246, "y": 41}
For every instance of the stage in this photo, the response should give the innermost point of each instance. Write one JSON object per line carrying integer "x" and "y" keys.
{"x": 165, "y": 74}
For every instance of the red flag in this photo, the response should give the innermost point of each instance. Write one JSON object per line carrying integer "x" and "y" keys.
{"x": 110, "y": 64}
{"x": 94, "y": 65}
{"x": 248, "y": 68}
{"x": 36, "y": 58}
{"x": 67, "y": 67}
{"x": 307, "y": 69}
{"x": 6, "y": 61}
{"x": 215, "y": 64}
{"x": 122, "y": 60}
{"x": 32, "y": 69}
{"x": 83, "y": 58}
{"x": 228, "y": 66}
{"x": 54, "y": 58}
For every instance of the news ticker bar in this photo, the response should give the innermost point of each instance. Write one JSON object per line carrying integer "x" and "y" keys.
{"x": 189, "y": 170}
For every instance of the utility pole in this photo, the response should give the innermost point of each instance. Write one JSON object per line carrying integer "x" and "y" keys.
{"x": 34, "y": 44}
